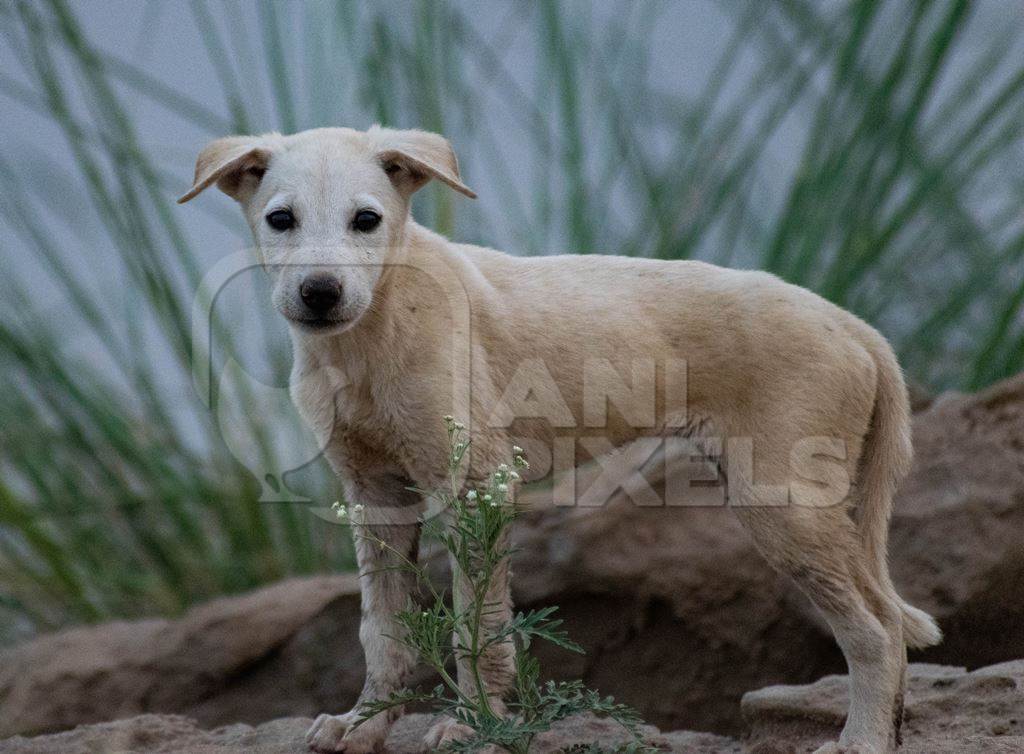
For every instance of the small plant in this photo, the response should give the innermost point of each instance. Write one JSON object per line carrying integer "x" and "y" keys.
{"x": 474, "y": 534}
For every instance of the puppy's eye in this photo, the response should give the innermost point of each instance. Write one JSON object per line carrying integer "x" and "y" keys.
{"x": 365, "y": 220}
{"x": 281, "y": 219}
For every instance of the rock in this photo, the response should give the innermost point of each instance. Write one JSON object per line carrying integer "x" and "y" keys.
{"x": 956, "y": 539}
{"x": 678, "y": 614}
{"x": 171, "y": 733}
{"x": 920, "y": 397}
{"x": 167, "y": 733}
{"x": 289, "y": 649}
{"x": 949, "y": 711}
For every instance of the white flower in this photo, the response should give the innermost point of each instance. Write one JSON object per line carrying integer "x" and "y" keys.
{"x": 503, "y": 468}
{"x": 357, "y": 508}
{"x": 459, "y": 425}
{"x": 339, "y": 510}
{"x": 487, "y": 498}
{"x": 513, "y": 475}
{"x": 471, "y": 495}
{"x": 502, "y": 487}
{"x": 517, "y": 450}
{"x": 449, "y": 418}
{"x": 494, "y": 505}
{"x": 521, "y": 462}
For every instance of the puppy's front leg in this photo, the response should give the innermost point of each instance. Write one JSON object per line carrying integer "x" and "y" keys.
{"x": 386, "y": 589}
{"x": 495, "y": 669}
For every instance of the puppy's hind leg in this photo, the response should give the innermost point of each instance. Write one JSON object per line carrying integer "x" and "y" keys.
{"x": 820, "y": 550}
{"x": 886, "y": 605}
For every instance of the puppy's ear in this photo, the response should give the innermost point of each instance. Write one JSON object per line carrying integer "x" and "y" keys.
{"x": 235, "y": 163}
{"x": 411, "y": 158}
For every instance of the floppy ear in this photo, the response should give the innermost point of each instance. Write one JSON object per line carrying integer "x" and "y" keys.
{"x": 235, "y": 163}
{"x": 411, "y": 158}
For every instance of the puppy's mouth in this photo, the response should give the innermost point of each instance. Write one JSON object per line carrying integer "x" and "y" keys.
{"x": 319, "y": 324}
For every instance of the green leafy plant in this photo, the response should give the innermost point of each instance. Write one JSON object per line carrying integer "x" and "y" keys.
{"x": 472, "y": 529}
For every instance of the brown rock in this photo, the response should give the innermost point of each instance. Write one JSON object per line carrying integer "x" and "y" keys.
{"x": 949, "y": 711}
{"x": 957, "y": 542}
{"x": 679, "y": 614}
{"x": 286, "y": 649}
{"x": 167, "y": 733}
{"x": 170, "y": 733}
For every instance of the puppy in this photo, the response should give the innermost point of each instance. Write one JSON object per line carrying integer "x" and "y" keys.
{"x": 801, "y": 406}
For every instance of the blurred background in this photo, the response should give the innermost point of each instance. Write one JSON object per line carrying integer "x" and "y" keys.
{"x": 870, "y": 150}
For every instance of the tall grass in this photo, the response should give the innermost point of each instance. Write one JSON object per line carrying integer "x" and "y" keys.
{"x": 119, "y": 497}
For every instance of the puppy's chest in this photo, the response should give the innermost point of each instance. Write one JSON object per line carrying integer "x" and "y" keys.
{"x": 351, "y": 410}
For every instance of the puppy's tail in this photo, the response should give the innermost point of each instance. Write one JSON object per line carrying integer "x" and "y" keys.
{"x": 885, "y": 460}
{"x": 919, "y": 629}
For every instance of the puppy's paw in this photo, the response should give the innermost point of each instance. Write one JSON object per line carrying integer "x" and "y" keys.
{"x": 448, "y": 730}
{"x": 337, "y": 733}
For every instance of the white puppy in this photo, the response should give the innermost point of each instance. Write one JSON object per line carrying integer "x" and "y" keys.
{"x": 801, "y": 405}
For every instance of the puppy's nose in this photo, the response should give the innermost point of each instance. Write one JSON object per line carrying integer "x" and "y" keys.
{"x": 320, "y": 293}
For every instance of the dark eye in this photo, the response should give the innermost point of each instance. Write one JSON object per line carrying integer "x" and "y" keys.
{"x": 365, "y": 220}
{"x": 281, "y": 219}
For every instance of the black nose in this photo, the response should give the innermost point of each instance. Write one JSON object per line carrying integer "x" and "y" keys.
{"x": 320, "y": 293}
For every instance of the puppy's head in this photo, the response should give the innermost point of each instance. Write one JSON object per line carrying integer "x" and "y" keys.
{"x": 327, "y": 209}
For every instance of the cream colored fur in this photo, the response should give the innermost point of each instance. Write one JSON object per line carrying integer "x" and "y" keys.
{"x": 549, "y": 350}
